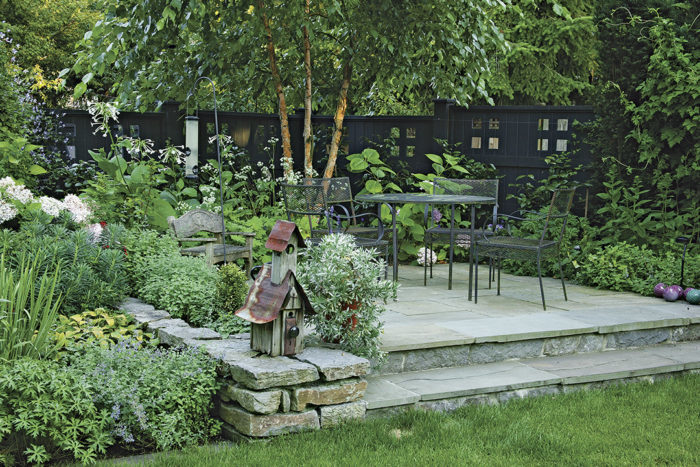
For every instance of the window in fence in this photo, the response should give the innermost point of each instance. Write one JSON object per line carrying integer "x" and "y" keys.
{"x": 395, "y": 132}
{"x": 410, "y": 151}
{"x": 476, "y": 142}
{"x": 134, "y": 131}
{"x": 494, "y": 124}
{"x": 410, "y": 133}
{"x": 476, "y": 124}
{"x": 493, "y": 143}
{"x": 542, "y": 144}
{"x": 70, "y": 132}
{"x": 543, "y": 124}
{"x": 561, "y": 145}
{"x": 562, "y": 124}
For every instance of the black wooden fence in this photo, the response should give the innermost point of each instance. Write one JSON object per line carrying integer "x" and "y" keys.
{"x": 515, "y": 139}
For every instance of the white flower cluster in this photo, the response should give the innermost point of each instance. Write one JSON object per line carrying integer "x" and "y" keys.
{"x": 51, "y": 206}
{"x": 426, "y": 256}
{"x": 14, "y": 196}
{"x": 80, "y": 212}
{"x": 7, "y": 211}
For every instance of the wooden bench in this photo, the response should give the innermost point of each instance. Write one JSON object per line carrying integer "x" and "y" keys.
{"x": 199, "y": 220}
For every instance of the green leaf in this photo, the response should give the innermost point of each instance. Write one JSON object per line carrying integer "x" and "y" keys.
{"x": 36, "y": 170}
{"x": 373, "y": 186}
{"x": 79, "y": 90}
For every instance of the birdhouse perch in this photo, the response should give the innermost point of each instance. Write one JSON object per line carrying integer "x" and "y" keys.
{"x": 276, "y": 303}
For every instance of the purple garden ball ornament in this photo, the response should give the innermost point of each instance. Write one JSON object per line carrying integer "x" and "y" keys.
{"x": 659, "y": 289}
{"x": 678, "y": 289}
{"x": 671, "y": 294}
{"x": 685, "y": 292}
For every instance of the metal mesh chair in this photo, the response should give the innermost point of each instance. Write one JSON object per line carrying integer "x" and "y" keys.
{"x": 338, "y": 195}
{"x": 453, "y": 186}
{"x": 312, "y": 199}
{"x": 528, "y": 249}
{"x": 309, "y": 201}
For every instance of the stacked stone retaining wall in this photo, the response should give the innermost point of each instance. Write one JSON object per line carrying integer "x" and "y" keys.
{"x": 266, "y": 396}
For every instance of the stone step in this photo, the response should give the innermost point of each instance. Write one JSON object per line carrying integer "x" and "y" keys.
{"x": 449, "y": 388}
{"x": 476, "y": 341}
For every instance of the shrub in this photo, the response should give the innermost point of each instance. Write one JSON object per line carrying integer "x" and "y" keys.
{"x": 155, "y": 398}
{"x": 231, "y": 291}
{"x": 28, "y": 310}
{"x": 141, "y": 246}
{"x": 91, "y": 275}
{"x": 47, "y": 412}
{"x": 627, "y": 267}
{"x": 346, "y": 290}
{"x": 183, "y": 286}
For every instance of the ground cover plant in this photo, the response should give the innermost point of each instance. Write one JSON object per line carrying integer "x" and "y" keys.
{"x": 633, "y": 424}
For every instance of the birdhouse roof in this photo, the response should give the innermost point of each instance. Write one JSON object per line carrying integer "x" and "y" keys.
{"x": 281, "y": 234}
{"x": 265, "y": 299}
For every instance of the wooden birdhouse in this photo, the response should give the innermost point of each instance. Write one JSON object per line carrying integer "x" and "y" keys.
{"x": 276, "y": 302}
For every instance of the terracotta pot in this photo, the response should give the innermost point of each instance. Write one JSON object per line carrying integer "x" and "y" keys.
{"x": 351, "y": 322}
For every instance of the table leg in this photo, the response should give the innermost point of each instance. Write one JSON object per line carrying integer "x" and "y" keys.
{"x": 394, "y": 240}
{"x": 471, "y": 251}
{"x": 452, "y": 240}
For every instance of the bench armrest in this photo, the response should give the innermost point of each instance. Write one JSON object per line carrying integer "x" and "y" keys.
{"x": 242, "y": 234}
{"x": 203, "y": 239}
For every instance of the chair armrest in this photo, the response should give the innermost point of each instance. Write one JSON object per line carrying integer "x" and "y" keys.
{"x": 203, "y": 239}
{"x": 242, "y": 234}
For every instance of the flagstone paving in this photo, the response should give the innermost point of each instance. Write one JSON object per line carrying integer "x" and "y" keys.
{"x": 445, "y": 351}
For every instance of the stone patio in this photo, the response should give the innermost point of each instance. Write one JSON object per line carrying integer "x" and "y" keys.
{"x": 445, "y": 351}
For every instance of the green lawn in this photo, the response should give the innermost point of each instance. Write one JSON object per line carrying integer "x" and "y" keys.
{"x": 621, "y": 425}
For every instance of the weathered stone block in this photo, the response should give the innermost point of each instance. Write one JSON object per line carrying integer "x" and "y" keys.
{"x": 134, "y": 305}
{"x": 332, "y": 393}
{"x": 266, "y": 372}
{"x": 441, "y": 357}
{"x": 263, "y": 402}
{"x": 686, "y": 333}
{"x": 167, "y": 323}
{"x": 394, "y": 363}
{"x": 642, "y": 338}
{"x": 260, "y": 426}
{"x": 225, "y": 349}
{"x": 496, "y": 352}
{"x": 175, "y": 336}
{"x": 150, "y": 316}
{"x": 333, "y": 415}
{"x": 561, "y": 345}
{"x": 286, "y": 401}
{"x": 591, "y": 343}
{"x": 334, "y": 364}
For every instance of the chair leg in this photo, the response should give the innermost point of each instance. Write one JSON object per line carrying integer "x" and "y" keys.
{"x": 425, "y": 263}
{"x": 490, "y": 271}
{"x": 476, "y": 275}
{"x": 539, "y": 276}
{"x": 561, "y": 275}
{"x": 431, "y": 264}
{"x": 498, "y": 284}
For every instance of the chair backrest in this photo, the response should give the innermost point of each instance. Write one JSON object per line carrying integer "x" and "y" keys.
{"x": 307, "y": 200}
{"x": 337, "y": 191}
{"x": 457, "y": 186}
{"x": 197, "y": 220}
{"x": 559, "y": 208}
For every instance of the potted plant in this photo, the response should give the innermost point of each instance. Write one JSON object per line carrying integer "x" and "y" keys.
{"x": 345, "y": 286}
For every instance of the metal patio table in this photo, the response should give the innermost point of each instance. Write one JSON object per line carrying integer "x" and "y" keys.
{"x": 390, "y": 199}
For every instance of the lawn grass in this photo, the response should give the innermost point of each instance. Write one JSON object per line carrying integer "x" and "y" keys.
{"x": 629, "y": 424}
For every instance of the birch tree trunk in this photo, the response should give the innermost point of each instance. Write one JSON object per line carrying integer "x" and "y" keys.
{"x": 338, "y": 120}
{"x": 284, "y": 121}
{"x": 308, "y": 140}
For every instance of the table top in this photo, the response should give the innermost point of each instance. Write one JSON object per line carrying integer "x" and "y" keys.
{"x": 426, "y": 198}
